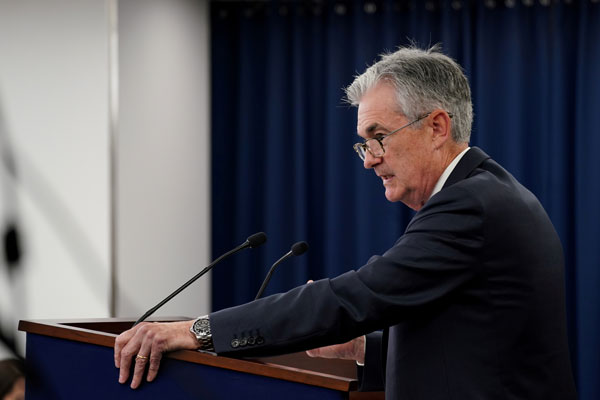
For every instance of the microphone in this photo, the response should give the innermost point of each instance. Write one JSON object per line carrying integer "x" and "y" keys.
{"x": 297, "y": 249}
{"x": 253, "y": 241}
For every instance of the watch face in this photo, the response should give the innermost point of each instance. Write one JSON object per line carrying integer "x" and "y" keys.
{"x": 201, "y": 326}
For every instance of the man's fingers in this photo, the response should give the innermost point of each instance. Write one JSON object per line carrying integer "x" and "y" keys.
{"x": 313, "y": 353}
{"x": 159, "y": 346}
{"x": 125, "y": 364}
{"x": 352, "y": 350}
{"x": 144, "y": 345}
{"x": 131, "y": 343}
{"x": 154, "y": 364}
{"x": 138, "y": 370}
{"x": 120, "y": 342}
{"x": 142, "y": 358}
{"x": 117, "y": 353}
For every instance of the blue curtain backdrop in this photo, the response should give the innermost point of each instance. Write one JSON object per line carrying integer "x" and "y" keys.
{"x": 282, "y": 157}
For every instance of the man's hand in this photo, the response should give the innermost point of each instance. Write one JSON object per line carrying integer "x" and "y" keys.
{"x": 352, "y": 350}
{"x": 145, "y": 344}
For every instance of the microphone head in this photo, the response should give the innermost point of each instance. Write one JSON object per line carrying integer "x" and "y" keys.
{"x": 257, "y": 239}
{"x": 299, "y": 248}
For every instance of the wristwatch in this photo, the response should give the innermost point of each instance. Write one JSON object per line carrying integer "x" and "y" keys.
{"x": 201, "y": 329}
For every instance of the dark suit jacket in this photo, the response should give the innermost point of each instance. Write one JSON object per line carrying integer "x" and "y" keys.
{"x": 470, "y": 298}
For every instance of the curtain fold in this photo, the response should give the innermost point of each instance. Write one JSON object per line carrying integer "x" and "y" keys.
{"x": 282, "y": 157}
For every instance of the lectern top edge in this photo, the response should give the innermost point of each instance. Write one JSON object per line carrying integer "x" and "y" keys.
{"x": 103, "y": 331}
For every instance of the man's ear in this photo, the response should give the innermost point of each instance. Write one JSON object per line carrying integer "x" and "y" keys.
{"x": 441, "y": 125}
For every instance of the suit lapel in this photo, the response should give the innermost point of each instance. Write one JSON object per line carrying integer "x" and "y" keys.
{"x": 471, "y": 160}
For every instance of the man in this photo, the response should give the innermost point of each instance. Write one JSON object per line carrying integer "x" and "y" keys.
{"x": 470, "y": 299}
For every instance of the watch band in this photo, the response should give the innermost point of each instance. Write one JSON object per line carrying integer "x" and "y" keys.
{"x": 201, "y": 329}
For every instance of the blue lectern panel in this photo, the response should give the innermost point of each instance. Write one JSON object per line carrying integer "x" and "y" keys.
{"x": 63, "y": 369}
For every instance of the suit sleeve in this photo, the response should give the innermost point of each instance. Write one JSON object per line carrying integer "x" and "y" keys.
{"x": 436, "y": 255}
{"x": 370, "y": 376}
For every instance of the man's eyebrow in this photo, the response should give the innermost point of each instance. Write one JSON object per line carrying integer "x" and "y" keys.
{"x": 372, "y": 128}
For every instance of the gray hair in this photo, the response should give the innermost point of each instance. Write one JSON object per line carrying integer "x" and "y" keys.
{"x": 424, "y": 80}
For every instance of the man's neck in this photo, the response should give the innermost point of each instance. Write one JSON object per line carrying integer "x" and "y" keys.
{"x": 450, "y": 164}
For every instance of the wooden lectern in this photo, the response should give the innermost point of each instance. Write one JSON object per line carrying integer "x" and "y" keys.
{"x": 73, "y": 359}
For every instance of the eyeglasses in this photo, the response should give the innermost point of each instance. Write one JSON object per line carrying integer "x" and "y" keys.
{"x": 375, "y": 145}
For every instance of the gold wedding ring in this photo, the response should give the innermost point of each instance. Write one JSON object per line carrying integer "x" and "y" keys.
{"x": 138, "y": 357}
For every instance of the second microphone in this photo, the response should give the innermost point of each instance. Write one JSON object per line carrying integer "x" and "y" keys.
{"x": 297, "y": 249}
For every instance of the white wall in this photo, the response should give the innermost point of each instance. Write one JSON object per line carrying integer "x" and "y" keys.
{"x": 53, "y": 107}
{"x": 54, "y": 120}
{"x": 163, "y": 161}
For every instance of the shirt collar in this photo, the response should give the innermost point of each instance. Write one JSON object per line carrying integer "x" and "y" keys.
{"x": 444, "y": 177}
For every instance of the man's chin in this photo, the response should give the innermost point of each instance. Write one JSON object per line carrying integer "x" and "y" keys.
{"x": 392, "y": 195}
{"x": 396, "y": 195}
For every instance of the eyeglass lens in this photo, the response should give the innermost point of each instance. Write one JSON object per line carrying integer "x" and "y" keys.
{"x": 374, "y": 147}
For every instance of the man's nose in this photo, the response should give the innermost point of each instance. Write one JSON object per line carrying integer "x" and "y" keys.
{"x": 370, "y": 161}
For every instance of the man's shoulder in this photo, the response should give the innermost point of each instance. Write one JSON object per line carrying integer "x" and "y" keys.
{"x": 487, "y": 192}
{"x": 488, "y": 182}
